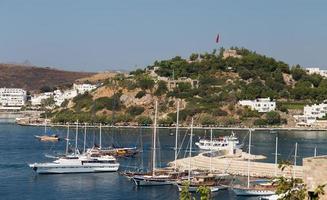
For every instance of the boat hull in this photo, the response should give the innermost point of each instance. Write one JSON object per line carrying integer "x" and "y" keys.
{"x": 140, "y": 181}
{"x": 252, "y": 192}
{"x": 195, "y": 188}
{"x": 72, "y": 169}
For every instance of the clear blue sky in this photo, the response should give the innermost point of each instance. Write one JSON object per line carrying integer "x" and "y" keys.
{"x": 103, "y": 34}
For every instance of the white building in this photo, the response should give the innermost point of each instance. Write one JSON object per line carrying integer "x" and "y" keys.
{"x": 321, "y": 72}
{"x": 82, "y": 88}
{"x": 311, "y": 114}
{"x": 36, "y": 100}
{"x": 260, "y": 104}
{"x": 59, "y": 96}
{"x": 12, "y": 98}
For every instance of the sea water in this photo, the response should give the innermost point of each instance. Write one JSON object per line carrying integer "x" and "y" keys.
{"x": 18, "y": 147}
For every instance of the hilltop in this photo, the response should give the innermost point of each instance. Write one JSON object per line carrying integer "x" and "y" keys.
{"x": 32, "y": 78}
{"x": 208, "y": 85}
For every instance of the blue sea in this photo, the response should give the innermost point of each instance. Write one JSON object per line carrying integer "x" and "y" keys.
{"x": 18, "y": 147}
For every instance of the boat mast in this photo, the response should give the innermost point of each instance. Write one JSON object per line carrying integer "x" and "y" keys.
{"x": 190, "y": 154}
{"x": 176, "y": 134}
{"x": 154, "y": 139}
{"x": 211, "y": 150}
{"x": 315, "y": 153}
{"x": 100, "y": 141}
{"x": 67, "y": 138}
{"x": 76, "y": 137}
{"x": 84, "y": 137}
{"x": 250, "y": 135}
{"x": 45, "y": 125}
{"x": 276, "y": 156}
{"x": 295, "y": 155}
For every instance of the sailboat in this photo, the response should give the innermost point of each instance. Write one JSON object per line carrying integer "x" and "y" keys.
{"x": 113, "y": 150}
{"x": 45, "y": 137}
{"x": 153, "y": 178}
{"x": 253, "y": 190}
{"x": 209, "y": 180}
{"x": 76, "y": 162}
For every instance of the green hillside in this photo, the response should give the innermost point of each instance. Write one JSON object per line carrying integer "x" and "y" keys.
{"x": 220, "y": 83}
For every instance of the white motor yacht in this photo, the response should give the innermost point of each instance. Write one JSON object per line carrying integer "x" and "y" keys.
{"x": 77, "y": 164}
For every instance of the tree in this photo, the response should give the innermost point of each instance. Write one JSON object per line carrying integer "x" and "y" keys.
{"x": 194, "y": 56}
{"x": 145, "y": 82}
{"x": 140, "y": 94}
{"x": 290, "y": 188}
{"x": 273, "y": 118}
{"x": 135, "y": 110}
{"x": 185, "y": 194}
{"x": 205, "y": 193}
{"x": 161, "y": 89}
{"x": 144, "y": 120}
{"x": 297, "y": 72}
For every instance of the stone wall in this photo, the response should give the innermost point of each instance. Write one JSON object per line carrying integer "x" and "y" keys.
{"x": 315, "y": 173}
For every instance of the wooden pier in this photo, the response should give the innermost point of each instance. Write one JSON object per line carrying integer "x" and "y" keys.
{"x": 235, "y": 166}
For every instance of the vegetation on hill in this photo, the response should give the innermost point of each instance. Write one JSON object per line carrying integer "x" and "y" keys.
{"x": 222, "y": 82}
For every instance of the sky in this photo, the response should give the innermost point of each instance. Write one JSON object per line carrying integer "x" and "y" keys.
{"x": 100, "y": 35}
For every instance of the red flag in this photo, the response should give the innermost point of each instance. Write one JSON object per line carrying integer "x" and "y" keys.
{"x": 217, "y": 38}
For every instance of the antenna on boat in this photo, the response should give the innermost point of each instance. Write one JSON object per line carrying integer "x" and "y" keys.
{"x": 76, "y": 137}
{"x": 154, "y": 139}
{"x": 276, "y": 156}
{"x": 250, "y": 135}
{"x": 100, "y": 141}
{"x": 176, "y": 135}
{"x": 295, "y": 155}
{"x": 211, "y": 150}
{"x": 190, "y": 154}
{"x": 67, "y": 138}
{"x": 45, "y": 124}
{"x": 84, "y": 137}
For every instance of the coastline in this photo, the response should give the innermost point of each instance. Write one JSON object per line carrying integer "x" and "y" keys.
{"x": 271, "y": 129}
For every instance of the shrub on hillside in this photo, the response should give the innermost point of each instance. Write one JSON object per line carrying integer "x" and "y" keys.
{"x": 166, "y": 121}
{"x": 135, "y": 110}
{"x": 140, "y": 94}
{"x": 144, "y": 120}
{"x": 145, "y": 82}
{"x": 82, "y": 101}
{"x": 273, "y": 118}
{"x": 207, "y": 119}
{"x": 161, "y": 89}
{"x": 260, "y": 122}
{"x": 112, "y": 103}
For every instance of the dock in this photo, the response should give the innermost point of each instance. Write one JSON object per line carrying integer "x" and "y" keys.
{"x": 236, "y": 166}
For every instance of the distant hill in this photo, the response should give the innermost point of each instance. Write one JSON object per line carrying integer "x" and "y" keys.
{"x": 32, "y": 78}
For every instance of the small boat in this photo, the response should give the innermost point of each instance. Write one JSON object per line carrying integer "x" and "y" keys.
{"x": 213, "y": 182}
{"x": 254, "y": 188}
{"x": 153, "y": 177}
{"x": 253, "y": 191}
{"x": 118, "y": 151}
{"x": 48, "y": 138}
{"x": 152, "y": 180}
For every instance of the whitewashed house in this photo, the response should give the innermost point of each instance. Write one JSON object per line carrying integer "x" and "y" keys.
{"x": 36, "y": 100}
{"x": 260, "y": 104}
{"x": 315, "y": 70}
{"x": 82, "y": 88}
{"x": 59, "y": 96}
{"x": 311, "y": 113}
{"x": 12, "y": 98}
